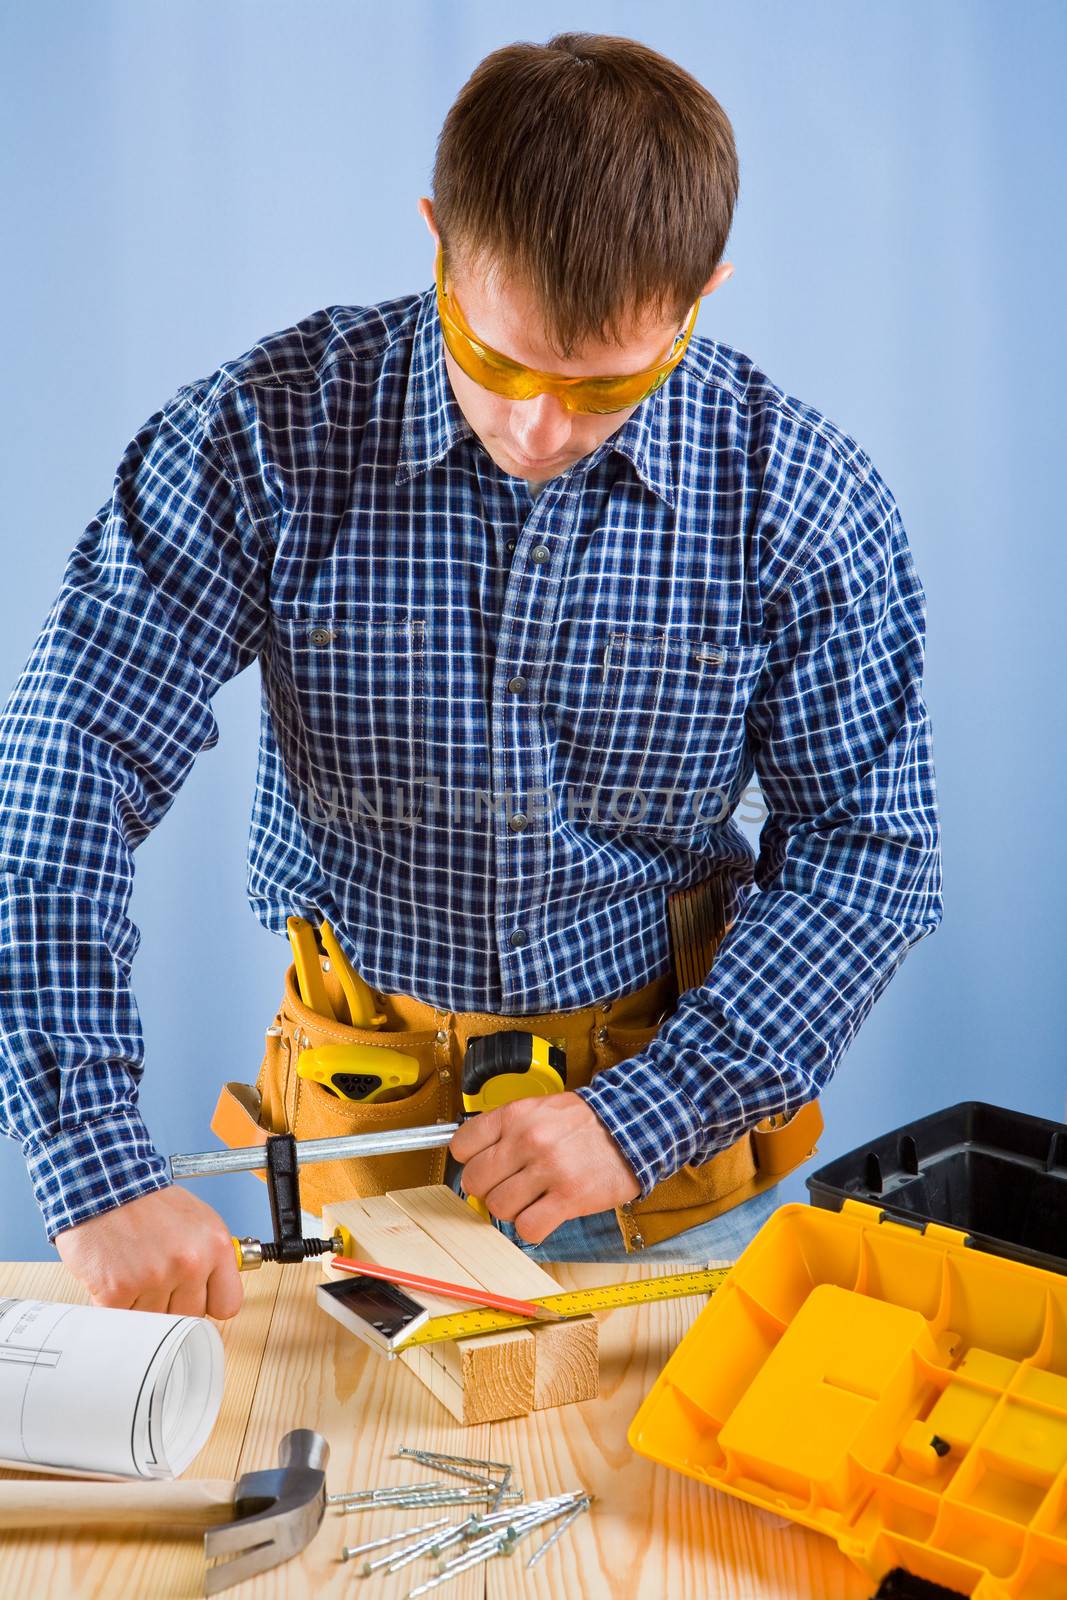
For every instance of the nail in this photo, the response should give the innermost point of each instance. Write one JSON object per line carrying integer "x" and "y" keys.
{"x": 439, "y": 1457}
{"x": 454, "y": 1571}
{"x": 382, "y": 1492}
{"x": 351, "y": 1550}
{"x": 572, "y": 1516}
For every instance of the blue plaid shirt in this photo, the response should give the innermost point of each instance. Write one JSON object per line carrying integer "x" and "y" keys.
{"x": 497, "y": 730}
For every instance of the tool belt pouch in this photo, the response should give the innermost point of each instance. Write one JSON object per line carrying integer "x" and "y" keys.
{"x": 283, "y": 1102}
{"x": 695, "y": 1194}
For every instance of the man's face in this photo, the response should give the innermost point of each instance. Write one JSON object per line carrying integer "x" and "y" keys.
{"x": 539, "y": 438}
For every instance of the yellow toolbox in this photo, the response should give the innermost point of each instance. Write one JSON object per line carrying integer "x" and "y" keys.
{"x": 891, "y": 1380}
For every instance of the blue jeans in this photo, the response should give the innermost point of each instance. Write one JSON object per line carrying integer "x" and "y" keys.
{"x": 597, "y": 1238}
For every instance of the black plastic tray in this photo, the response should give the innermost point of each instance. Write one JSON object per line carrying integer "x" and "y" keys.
{"x": 998, "y": 1176}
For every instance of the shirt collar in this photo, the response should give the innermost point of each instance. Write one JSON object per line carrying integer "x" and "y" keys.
{"x": 432, "y": 421}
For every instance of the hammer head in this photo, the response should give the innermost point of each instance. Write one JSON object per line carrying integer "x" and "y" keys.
{"x": 278, "y": 1512}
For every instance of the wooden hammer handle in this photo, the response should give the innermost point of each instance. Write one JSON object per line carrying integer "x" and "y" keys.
{"x": 195, "y": 1503}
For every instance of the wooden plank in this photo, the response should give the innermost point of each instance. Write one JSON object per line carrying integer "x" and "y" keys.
{"x": 475, "y": 1244}
{"x": 479, "y": 1380}
{"x": 567, "y": 1362}
{"x": 651, "y": 1531}
{"x": 566, "y": 1365}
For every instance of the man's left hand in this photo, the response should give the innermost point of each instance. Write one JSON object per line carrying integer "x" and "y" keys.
{"x": 541, "y": 1161}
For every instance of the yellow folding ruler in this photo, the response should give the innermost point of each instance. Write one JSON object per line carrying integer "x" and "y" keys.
{"x": 574, "y": 1303}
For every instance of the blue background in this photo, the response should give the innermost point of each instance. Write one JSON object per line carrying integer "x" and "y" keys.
{"x": 180, "y": 179}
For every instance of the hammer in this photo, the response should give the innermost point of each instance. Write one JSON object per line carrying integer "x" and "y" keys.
{"x": 260, "y": 1521}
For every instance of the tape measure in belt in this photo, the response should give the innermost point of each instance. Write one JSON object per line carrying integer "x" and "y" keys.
{"x": 501, "y": 1067}
{"x": 572, "y": 1303}
{"x": 510, "y": 1065}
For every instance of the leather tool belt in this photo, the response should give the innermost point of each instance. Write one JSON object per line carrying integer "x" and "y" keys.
{"x": 594, "y": 1037}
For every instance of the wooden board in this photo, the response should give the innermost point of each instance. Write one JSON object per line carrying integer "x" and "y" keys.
{"x": 651, "y": 1532}
{"x": 565, "y": 1354}
{"x": 434, "y": 1232}
{"x": 169, "y": 1564}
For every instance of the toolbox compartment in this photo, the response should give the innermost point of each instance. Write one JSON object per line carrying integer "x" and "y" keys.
{"x": 886, "y": 1376}
{"x": 999, "y": 1176}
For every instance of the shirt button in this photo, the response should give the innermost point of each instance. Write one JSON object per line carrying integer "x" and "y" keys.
{"x": 516, "y": 685}
{"x": 509, "y": 547}
{"x": 540, "y": 553}
{"x": 320, "y": 636}
{"x": 518, "y": 938}
{"x": 519, "y": 821}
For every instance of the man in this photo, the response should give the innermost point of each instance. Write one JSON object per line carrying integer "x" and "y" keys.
{"x": 522, "y": 535}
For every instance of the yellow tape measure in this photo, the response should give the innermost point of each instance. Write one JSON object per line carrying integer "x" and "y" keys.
{"x": 575, "y": 1303}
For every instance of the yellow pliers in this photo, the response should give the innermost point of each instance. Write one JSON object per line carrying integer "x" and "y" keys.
{"x": 309, "y": 945}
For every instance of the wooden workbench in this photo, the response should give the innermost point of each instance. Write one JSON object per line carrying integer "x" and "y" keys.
{"x": 651, "y": 1533}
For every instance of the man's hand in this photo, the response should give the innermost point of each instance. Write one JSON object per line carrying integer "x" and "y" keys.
{"x": 165, "y": 1251}
{"x": 541, "y": 1161}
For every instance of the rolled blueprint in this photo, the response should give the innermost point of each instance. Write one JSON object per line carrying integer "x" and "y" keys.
{"x": 89, "y": 1389}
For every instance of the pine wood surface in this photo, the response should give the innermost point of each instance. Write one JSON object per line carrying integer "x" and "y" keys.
{"x": 651, "y": 1533}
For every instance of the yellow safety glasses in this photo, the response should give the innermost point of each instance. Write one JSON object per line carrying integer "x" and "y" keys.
{"x": 510, "y": 378}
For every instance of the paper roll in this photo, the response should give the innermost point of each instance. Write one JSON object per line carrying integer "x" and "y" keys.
{"x": 91, "y": 1389}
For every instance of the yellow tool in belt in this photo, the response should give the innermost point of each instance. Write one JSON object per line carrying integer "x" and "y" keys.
{"x": 362, "y": 1011}
{"x": 312, "y": 945}
{"x": 366, "y": 1072}
{"x": 501, "y": 1067}
{"x": 306, "y": 960}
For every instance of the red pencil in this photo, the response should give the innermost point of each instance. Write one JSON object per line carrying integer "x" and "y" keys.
{"x": 450, "y": 1291}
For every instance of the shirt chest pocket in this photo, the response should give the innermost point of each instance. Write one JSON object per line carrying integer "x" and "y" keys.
{"x": 652, "y": 731}
{"x": 351, "y": 719}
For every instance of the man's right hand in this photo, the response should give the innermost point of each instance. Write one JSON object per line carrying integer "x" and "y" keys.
{"x": 164, "y": 1251}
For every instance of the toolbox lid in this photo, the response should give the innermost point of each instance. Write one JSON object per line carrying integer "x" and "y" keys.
{"x": 998, "y": 1176}
{"x": 883, "y": 1382}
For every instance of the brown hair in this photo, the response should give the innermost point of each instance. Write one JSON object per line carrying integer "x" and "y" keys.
{"x": 594, "y": 170}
